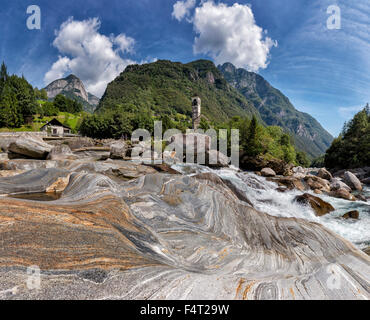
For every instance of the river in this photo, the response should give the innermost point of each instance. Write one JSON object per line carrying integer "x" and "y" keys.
{"x": 265, "y": 198}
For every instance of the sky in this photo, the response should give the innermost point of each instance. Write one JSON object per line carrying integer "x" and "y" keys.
{"x": 324, "y": 71}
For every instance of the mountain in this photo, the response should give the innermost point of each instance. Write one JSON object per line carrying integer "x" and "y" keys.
{"x": 73, "y": 88}
{"x": 166, "y": 87}
{"x": 276, "y": 109}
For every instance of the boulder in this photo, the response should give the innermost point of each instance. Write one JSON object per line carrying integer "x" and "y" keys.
{"x": 317, "y": 183}
{"x": 288, "y": 170}
{"x": 216, "y": 159}
{"x": 289, "y": 182}
{"x": 352, "y": 215}
{"x": 324, "y": 174}
{"x": 61, "y": 152}
{"x": 361, "y": 197}
{"x": 29, "y": 146}
{"x": 352, "y": 181}
{"x": 118, "y": 150}
{"x": 268, "y": 172}
{"x": 299, "y": 170}
{"x": 342, "y": 194}
{"x": 258, "y": 163}
{"x": 192, "y": 142}
{"x": 80, "y": 142}
{"x": 336, "y": 184}
{"x": 317, "y": 191}
{"x": 319, "y": 206}
{"x": 5, "y": 142}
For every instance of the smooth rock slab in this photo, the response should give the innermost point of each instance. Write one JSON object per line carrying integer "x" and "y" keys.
{"x": 169, "y": 237}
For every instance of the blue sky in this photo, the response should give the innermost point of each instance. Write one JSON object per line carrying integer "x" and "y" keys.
{"x": 324, "y": 72}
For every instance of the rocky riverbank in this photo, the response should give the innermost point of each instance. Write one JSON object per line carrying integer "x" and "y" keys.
{"x": 120, "y": 230}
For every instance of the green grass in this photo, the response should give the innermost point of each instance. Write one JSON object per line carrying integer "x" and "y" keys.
{"x": 71, "y": 120}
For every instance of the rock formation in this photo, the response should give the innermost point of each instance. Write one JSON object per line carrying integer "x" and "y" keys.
{"x": 165, "y": 236}
{"x": 72, "y": 87}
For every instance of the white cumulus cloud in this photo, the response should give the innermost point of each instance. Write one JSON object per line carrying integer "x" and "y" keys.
{"x": 181, "y": 9}
{"x": 230, "y": 34}
{"x": 93, "y": 57}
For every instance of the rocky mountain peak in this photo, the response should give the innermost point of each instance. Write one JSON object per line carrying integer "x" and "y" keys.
{"x": 276, "y": 109}
{"x": 72, "y": 87}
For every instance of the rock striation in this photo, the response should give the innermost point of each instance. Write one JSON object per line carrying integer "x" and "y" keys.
{"x": 164, "y": 236}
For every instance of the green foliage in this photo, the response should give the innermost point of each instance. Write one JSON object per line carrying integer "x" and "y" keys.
{"x": 65, "y": 104}
{"x": 49, "y": 109}
{"x": 41, "y": 94}
{"x": 352, "y": 148}
{"x": 271, "y": 142}
{"x": 318, "y": 162}
{"x": 9, "y": 109}
{"x": 17, "y": 100}
{"x": 165, "y": 87}
{"x": 303, "y": 160}
{"x": 252, "y": 144}
{"x": 108, "y": 125}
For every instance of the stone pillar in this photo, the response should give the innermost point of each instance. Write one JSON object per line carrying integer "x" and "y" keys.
{"x": 197, "y": 109}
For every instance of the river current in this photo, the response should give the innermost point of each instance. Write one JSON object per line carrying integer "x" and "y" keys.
{"x": 266, "y": 198}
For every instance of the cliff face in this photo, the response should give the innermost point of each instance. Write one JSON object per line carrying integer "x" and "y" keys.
{"x": 276, "y": 109}
{"x": 72, "y": 87}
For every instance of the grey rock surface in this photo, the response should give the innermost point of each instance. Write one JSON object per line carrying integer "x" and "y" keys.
{"x": 167, "y": 236}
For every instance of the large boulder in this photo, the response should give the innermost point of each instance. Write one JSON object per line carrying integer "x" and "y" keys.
{"x": 192, "y": 142}
{"x": 118, "y": 150}
{"x": 324, "y": 174}
{"x": 319, "y": 206}
{"x": 337, "y": 183}
{"x": 352, "y": 181}
{"x": 29, "y": 146}
{"x": 216, "y": 159}
{"x": 317, "y": 183}
{"x": 289, "y": 182}
{"x": 61, "y": 152}
{"x": 342, "y": 194}
{"x": 268, "y": 172}
{"x": 195, "y": 144}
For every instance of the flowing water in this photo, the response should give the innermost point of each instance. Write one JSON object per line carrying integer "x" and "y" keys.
{"x": 265, "y": 198}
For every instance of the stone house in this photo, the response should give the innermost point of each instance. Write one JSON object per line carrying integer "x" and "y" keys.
{"x": 56, "y": 128}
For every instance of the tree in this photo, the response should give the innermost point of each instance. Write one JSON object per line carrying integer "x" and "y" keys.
{"x": 49, "y": 109}
{"x": 65, "y": 104}
{"x": 352, "y": 148}
{"x": 9, "y": 114}
{"x": 167, "y": 123}
{"x": 302, "y": 159}
{"x": 252, "y": 145}
{"x": 3, "y": 75}
{"x": 25, "y": 96}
